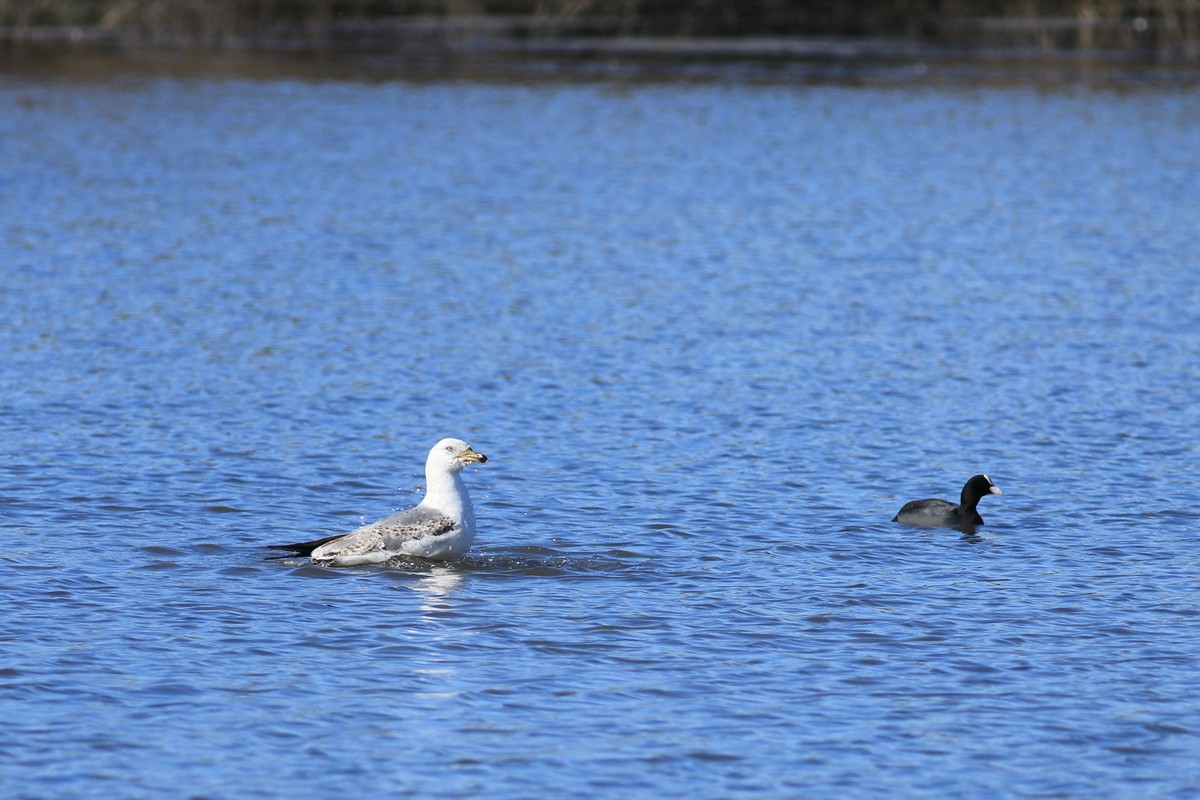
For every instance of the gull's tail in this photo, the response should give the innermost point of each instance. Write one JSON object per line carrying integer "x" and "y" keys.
{"x": 303, "y": 548}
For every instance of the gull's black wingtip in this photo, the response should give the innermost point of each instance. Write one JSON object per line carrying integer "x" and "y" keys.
{"x": 302, "y": 548}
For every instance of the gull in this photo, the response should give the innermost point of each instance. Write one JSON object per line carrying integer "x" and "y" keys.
{"x": 441, "y": 527}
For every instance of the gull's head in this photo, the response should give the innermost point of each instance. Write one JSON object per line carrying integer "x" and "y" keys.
{"x": 453, "y": 455}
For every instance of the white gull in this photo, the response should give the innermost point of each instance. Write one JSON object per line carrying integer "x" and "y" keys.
{"x": 441, "y": 527}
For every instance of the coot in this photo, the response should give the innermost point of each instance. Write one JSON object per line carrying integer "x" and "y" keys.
{"x": 944, "y": 514}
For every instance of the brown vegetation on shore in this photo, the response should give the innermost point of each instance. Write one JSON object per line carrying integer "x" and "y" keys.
{"x": 1164, "y": 28}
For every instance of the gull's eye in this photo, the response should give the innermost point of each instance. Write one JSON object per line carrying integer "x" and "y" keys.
{"x": 449, "y": 448}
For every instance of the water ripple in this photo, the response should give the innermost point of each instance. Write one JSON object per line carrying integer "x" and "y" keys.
{"x": 712, "y": 337}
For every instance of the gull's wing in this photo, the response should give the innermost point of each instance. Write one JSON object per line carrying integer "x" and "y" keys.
{"x": 386, "y": 535}
{"x": 357, "y": 543}
{"x": 395, "y": 534}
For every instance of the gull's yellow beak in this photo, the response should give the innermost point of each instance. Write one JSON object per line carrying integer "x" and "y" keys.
{"x": 471, "y": 457}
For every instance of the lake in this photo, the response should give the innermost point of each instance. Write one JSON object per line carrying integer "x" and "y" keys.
{"x": 711, "y": 333}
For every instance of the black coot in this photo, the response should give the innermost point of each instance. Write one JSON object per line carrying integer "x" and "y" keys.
{"x": 944, "y": 514}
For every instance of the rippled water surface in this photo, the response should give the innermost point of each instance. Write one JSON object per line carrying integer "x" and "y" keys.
{"x": 711, "y": 337}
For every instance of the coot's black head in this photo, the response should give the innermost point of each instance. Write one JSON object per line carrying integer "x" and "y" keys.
{"x": 977, "y": 487}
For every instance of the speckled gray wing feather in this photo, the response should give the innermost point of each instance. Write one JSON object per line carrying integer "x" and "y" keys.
{"x": 386, "y": 534}
{"x": 362, "y": 541}
{"x": 394, "y": 534}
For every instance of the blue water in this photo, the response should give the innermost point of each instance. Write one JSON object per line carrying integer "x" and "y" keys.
{"x": 711, "y": 336}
